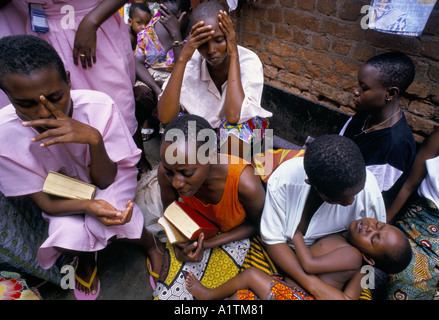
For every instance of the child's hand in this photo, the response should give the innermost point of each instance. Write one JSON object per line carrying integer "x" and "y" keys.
{"x": 226, "y": 26}
{"x": 109, "y": 215}
{"x": 198, "y": 35}
{"x": 62, "y": 128}
{"x": 298, "y": 237}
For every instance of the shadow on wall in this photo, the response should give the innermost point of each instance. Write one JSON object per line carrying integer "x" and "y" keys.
{"x": 295, "y": 118}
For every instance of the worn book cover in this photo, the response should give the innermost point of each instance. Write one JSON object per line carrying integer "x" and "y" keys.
{"x": 66, "y": 187}
{"x": 187, "y": 222}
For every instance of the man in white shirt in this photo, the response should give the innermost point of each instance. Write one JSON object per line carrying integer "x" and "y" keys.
{"x": 318, "y": 194}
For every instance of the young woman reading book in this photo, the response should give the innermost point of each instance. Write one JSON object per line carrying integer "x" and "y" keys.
{"x": 225, "y": 190}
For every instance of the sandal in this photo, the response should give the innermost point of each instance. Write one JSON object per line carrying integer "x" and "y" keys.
{"x": 80, "y": 295}
{"x": 152, "y": 274}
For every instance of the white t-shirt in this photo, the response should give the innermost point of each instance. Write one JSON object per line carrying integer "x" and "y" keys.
{"x": 200, "y": 96}
{"x": 286, "y": 195}
{"x": 429, "y": 186}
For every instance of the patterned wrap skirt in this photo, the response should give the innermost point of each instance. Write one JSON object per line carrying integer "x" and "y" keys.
{"x": 419, "y": 281}
{"x": 279, "y": 290}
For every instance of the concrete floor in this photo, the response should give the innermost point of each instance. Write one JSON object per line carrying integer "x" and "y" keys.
{"x": 121, "y": 270}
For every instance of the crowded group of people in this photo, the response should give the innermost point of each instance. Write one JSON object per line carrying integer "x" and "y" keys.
{"x": 86, "y": 100}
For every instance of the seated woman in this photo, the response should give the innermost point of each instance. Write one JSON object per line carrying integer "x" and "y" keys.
{"x": 224, "y": 189}
{"x": 415, "y": 211}
{"x": 217, "y": 80}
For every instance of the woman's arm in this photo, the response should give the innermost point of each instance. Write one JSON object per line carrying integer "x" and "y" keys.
{"x": 67, "y": 130}
{"x": 341, "y": 259}
{"x": 85, "y": 37}
{"x": 235, "y": 93}
{"x": 169, "y": 103}
{"x": 428, "y": 150}
{"x": 100, "y": 209}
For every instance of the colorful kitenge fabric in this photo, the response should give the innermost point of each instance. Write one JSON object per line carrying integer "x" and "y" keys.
{"x": 257, "y": 257}
{"x": 279, "y": 290}
{"x": 265, "y": 163}
{"x": 13, "y": 287}
{"x": 419, "y": 281}
{"x": 244, "y": 131}
{"x": 217, "y": 266}
{"x": 150, "y": 48}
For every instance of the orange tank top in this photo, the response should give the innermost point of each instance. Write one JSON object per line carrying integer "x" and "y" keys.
{"x": 229, "y": 212}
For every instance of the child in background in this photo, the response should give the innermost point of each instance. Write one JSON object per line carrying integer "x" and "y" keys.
{"x": 379, "y": 127}
{"x": 216, "y": 79}
{"x": 79, "y": 133}
{"x": 335, "y": 259}
{"x": 139, "y": 17}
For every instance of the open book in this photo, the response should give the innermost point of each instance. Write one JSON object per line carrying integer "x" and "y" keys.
{"x": 182, "y": 223}
{"x": 66, "y": 187}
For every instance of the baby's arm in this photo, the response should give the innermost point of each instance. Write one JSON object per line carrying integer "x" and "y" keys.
{"x": 334, "y": 261}
{"x": 64, "y": 129}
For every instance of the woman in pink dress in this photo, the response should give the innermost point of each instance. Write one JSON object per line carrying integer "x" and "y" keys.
{"x": 93, "y": 42}
{"x": 81, "y": 134}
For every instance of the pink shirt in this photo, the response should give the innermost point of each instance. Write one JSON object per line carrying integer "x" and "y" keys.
{"x": 24, "y": 166}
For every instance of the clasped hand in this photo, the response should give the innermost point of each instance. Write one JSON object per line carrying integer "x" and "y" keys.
{"x": 191, "y": 251}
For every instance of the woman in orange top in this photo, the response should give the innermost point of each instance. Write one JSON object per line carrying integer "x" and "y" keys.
{"x": 226, "y": 190}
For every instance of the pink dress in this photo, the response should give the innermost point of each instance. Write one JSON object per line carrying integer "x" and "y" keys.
{"x": 113, "y": 72}
{"x": 24, "y": 166}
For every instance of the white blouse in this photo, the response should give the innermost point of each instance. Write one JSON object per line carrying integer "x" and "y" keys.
{"x": 201, "y": 97}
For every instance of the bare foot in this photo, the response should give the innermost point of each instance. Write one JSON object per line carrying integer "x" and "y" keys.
{"x": 195, "y": 287}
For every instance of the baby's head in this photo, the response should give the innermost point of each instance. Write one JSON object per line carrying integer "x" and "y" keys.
{"x": 383, "y": 79}
{"x": 139, "y": 16}
{"x": 31, "y": 68}
{"x": 188, "y": 145}
{"x": 335, "y": 168}
{"x": 382, "y": 245}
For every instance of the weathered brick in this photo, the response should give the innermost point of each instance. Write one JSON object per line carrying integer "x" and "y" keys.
{"x": 421, "y": 108}
{"x": 314, "y": 57}
{"x": 326, "y": 6}
{"x": 433, "y": 72}
{"x": 294, "y": 67}
{"x": 431, "y": 49}
{"x": 320, "y": 42}
{"x": 302, "y": 21}
{"x": 341, "y": 47}
{"x": 350, "y": 10}
{"x": 346, "y": 67}
{"x": 294, "y": 80}
{"x": 277, "y": 61}
{"x": 363, "y": 52}
{"x": 313, "y": 72}
{"x": 332, "y": 78}
{"x": 419, "y": 89}
{"x": 282, "y": 33}
{"x": 279, "y": 48}
{"x": 305, "y": 4}
{"x": 270, "y": 72}
{"x": 419, "y": 124}
{"x": 266, "y": 28}
{"x": 249, "y": 40}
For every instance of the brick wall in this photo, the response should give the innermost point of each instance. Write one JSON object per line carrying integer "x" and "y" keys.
{"x": 313, "y": 48}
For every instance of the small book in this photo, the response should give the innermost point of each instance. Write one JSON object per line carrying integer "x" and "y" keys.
{"x": 182, "y": 223}
{"x": 66, "y": 187}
